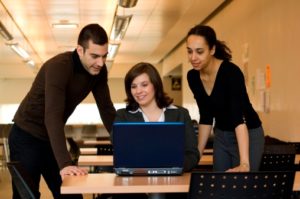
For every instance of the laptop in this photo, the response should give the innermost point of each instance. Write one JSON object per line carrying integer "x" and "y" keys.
{"x": 148, "y": 148}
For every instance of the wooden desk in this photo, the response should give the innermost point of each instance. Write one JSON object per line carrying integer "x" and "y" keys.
{"x": 88, "y": 151}
{"x": 111, "y": 183}
{"x": 107, "y": 160}
{"x": 95, "y": 160}
{"x": 297, "y": 158}
{"x": 96, "y": 142}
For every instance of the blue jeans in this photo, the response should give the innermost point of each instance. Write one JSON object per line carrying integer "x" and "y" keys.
{"x": 37, "y": 158}
{"x": 226, "y": 152}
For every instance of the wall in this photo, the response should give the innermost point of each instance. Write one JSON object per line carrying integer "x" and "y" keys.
{"x": 14, "y": 90}
{"x": 176, "y": 95}
{"x": 270, "y": 29}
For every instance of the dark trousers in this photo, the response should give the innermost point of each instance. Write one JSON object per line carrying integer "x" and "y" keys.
{"x": 226, "y": 152}
{"x": 37, "y": 158}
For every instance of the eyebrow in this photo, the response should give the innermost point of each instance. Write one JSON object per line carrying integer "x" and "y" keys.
{"x": 105, "y": 55}
{"x": 195, "y": 49}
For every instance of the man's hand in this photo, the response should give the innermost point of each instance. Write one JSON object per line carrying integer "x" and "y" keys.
{"x": 73, "y": 170}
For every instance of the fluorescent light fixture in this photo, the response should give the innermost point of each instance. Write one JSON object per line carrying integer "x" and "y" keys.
{"x": 4, "y": 32}
{"x": 119, "y": 27}
{"x": 65, "y": 25}
{"x": 109, "y": 64}
{"x": 127, "y": 3}
{"x": 112, "y": 51}
{"x": 20, "y": 51}
{"x": 30, "y": 63}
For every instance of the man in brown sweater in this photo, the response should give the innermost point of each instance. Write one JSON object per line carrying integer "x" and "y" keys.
{"x": 37, "y": 138}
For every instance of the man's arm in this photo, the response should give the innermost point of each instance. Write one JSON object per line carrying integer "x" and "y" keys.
{"x": 103, "y": 100}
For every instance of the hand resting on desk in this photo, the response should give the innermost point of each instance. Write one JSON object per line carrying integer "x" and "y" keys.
{"x": 72, "y": 170}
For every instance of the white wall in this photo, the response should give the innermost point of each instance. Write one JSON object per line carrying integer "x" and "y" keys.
{"x": 270, "y": 29}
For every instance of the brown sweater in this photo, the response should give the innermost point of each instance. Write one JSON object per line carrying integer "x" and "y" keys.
{"x": 61, "y": 84}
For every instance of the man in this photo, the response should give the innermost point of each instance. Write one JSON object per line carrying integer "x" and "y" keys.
{"x": 37, "y": 138}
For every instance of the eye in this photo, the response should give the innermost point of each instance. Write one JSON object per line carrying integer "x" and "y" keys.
{"x": 199, "y": 51}
{"x": 144, "y": 84}
{"x": 94, "y": 56}
{"x": 133, "y": 86}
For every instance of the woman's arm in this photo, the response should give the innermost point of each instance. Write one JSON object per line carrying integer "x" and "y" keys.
{"x": 203, "y": 135}
{"x": 242, "y": 136}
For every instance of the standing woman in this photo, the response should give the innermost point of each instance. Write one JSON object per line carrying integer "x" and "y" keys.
{"x": 219, "y": 88}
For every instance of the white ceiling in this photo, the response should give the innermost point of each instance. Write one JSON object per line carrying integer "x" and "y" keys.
{"x": 156, "y": 27}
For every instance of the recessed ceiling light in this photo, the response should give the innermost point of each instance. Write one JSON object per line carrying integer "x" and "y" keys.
{"x": 65, "y": 25}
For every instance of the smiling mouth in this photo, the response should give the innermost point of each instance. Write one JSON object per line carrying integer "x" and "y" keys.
{"x": 97, "y": 68}
{"x": 140, "y": 98}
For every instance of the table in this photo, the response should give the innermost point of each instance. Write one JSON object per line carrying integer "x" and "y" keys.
{"x": 95, "y": 142}
{"x": 95, "y": 160}
{"x": 107, "y": 160}
{"x": 111, "y": 183}
{"x": 88, "y": 151}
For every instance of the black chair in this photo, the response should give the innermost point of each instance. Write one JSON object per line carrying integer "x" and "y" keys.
{"x": 241, "y": 185}
{"x": 296, "y": 145}
{"x": 278, "y": 157}
{"x": 104, "y": 149}
{"x": 21, "y": 180}
{"x": 74, "y": 150}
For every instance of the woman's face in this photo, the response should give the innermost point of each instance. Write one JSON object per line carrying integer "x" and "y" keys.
{"x": 198, "y": 51}
{"x": 143, "y": 90}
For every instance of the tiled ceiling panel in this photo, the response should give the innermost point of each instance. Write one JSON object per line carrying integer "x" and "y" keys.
{"x": 156, "y": 27}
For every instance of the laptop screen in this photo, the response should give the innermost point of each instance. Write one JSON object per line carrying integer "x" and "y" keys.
{"x": 148, "y": 147}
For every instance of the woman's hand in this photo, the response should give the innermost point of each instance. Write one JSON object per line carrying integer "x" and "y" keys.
{"x": 243, "y": 167}
{"x": 73, "y": 170}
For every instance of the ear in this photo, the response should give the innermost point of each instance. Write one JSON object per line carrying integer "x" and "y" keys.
{"x": 80, "y": 50}
{"x": 213, "y": 50}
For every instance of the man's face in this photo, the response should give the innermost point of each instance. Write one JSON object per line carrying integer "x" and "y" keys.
{"x": 93, "y": 57}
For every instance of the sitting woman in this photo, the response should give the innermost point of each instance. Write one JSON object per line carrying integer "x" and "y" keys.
{"x": 147, "y": 102}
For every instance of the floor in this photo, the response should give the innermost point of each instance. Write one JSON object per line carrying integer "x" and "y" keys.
{"x": 6, "y": 190}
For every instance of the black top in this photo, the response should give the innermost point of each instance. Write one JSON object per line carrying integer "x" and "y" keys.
{"x": 228, "y": 102}
{"x": 61, "y": 84}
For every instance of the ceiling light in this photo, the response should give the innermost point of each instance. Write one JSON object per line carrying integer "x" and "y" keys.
{"x": 65, "y": 25}
{"x": 112, "y": 51}
{"x": 4, "y": 32}
{"x": 30, "y": 63}
{"x": 20, "y": 51}
{"x": 119, "y": 27}
{"x": 127, "y": 3}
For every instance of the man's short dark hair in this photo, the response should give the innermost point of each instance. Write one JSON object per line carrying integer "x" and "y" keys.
{"x": 92, "y": 32}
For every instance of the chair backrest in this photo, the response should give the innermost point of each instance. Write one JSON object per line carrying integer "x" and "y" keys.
{"x": 278, "y": 157}
{"x": 74, "y": 150}
{"x": 105, "y": 149}
{"x": 296, "y": 145}
{"x": 21, "y": 180}
{"x": 259, "y": 185}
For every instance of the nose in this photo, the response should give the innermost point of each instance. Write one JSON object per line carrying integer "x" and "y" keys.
{"x": 100, "y": 61}
{"x": 138, "y": 89}
{"x": 193, "y": 56}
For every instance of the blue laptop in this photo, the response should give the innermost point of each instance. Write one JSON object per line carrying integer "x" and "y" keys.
{"x": 148, "y": 148}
